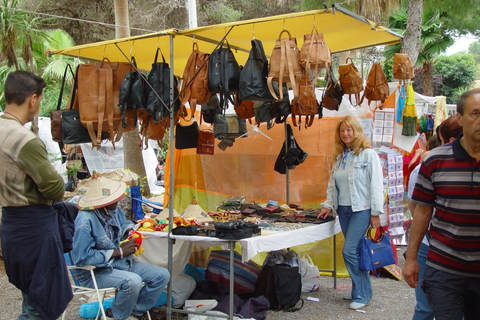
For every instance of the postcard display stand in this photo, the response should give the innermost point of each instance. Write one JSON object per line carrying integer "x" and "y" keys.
{"x": 393, "y": 175}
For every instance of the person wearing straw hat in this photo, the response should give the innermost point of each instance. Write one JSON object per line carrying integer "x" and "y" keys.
{"x": 100, "y": 231}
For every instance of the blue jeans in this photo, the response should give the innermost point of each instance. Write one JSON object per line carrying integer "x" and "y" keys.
{"x": 28, "y": 312}
{"x": 422, "y": 309}
{"x": 132, "y": 296}
{"x": 354, "y": 225}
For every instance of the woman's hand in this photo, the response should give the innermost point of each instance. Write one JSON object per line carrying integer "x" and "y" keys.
{"x": 375, "y": 221}
{"x": 324, "y": 213}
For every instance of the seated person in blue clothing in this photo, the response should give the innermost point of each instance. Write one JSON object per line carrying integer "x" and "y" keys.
{"x": 100, "y": 228}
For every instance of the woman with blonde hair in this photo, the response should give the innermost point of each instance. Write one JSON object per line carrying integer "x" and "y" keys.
{"x": 355, "y": 195}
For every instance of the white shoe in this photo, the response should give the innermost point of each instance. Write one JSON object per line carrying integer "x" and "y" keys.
{"x": 357, "y": 305}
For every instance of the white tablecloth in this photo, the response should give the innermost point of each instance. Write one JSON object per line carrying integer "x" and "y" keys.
{"x": 155, "y": 243}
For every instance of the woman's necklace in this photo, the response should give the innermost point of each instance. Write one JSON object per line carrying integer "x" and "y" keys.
{"x": 12, "y": 116}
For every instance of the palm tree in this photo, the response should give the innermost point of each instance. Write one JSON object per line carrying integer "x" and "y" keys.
{"x": 132, "y": 151}
{"x": 434, "y": 40}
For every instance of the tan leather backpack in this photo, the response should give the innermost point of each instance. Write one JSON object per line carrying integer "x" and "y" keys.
{"x": 284, "y": 65}
{"x": 195, "y": 82}
{"x": 350, "y": 80}
{"x": 306, "y": 104}
{"x": 315, "y": 53}
{"x": 402, "y": 66}
{"x": 376, "y": 88}
{"x": 98, "y": 97}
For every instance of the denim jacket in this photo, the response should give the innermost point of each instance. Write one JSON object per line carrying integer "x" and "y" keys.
{"x": 92, "y": 246}
{"x": 365, "y": 180}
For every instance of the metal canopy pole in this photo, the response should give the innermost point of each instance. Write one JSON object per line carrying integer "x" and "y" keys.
{"x": 171, "y": 241}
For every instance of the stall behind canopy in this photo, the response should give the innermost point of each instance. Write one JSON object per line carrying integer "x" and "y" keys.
{"x": 342, "y": 30}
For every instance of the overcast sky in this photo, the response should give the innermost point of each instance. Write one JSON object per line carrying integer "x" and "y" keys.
{"x": 461, "y": 44}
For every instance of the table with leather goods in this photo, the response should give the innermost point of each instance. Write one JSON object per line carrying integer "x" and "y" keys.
{"x": 250, "y": 247}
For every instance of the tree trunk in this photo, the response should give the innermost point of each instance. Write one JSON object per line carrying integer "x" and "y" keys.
{"x": 132, "y": 150}
{"x": 428, "y": 78}
{"x": 411, "y": 40}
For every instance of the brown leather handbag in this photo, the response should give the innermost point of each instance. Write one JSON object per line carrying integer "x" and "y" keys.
{"x": 402, "y": 66}
{"x": 376, "y": 88}
{"x": 306, "y": 104}
{"x": 206, "y": 142}
{"x": 284, "y": 65}
{"x": 350, "y": 80}
{"x": 98, "y": 98}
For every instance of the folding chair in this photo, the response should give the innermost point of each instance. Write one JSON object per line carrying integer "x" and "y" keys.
{"x": 77, "y": 289}
{"x": 100, "y": 293}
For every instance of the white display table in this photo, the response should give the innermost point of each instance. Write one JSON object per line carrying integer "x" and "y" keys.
{"x": 155, "y": 242}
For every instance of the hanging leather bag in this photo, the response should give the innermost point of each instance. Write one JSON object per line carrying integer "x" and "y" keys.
{"x": 306, "y": 104}
{"x": 195, "y": 81}
{"x": 402, "y": 66}
{"x": 377, "y": 88}
{"x": 98, "y": 97}
{"x": 253, "y": 78}
{"x": 264, "y": 113}
{"x": 333, "y": 94}
{"x": 132, "y": 95}
{"x": 210, "y": 109}
{"x": 244, "y": 108}
{"x": 284, "y": 65}
{"x": 159, "y": 103}
{"x": 56, "y": 115}
{"x": 223, "y": 74}
{"x": 229, "y": 125}
{"x": 351, "y": 81}
{"x": 281, "y": 108}
{"x": 186, "y": 136}
{"x": 315, "y": 54}
{"x": 206, "y": 142}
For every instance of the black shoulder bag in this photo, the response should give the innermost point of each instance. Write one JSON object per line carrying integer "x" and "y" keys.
{"x": 253, "y": 78}
{"x": 159, "y": 78}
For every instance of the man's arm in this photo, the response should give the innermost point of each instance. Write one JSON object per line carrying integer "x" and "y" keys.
{"x": 419, "y": 228}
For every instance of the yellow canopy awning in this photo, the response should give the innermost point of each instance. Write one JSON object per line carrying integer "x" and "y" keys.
{"x": 342, "y": 29}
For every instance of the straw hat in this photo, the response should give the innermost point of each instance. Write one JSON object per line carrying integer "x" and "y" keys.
{"x": 102, "y": 192}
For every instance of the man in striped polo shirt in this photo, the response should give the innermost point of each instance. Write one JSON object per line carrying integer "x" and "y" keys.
{"x": 449, "y": 180}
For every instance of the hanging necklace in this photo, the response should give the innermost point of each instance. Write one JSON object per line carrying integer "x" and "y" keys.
{"x": 12, "y": 116}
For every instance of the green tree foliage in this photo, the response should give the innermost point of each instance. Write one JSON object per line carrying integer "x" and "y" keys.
{"x": 459, "y": 16}
{"x": 474, "y": 49}
{"x": 458, "y": 72}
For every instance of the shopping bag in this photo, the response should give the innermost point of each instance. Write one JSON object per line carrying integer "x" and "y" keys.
{"x": 310, "y": 274}
{"x": 376, "y": 253}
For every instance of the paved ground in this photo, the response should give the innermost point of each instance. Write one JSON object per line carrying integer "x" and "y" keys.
{"x": 393, "y": 299}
